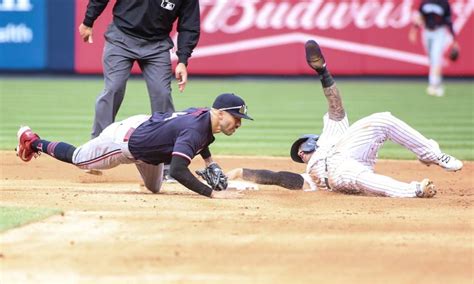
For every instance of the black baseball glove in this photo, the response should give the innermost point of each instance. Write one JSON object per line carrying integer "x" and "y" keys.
{"x": 214, "y": 176}
{"x": 453, "y": 54}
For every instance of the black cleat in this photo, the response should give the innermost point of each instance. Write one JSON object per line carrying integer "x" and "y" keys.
{"x": 314, "y": 56}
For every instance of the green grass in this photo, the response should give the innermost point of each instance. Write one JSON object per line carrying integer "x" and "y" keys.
{"x": 11, "y": 217}
{"x": 62, "y": 109}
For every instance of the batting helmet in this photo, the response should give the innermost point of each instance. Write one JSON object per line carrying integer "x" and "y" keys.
{"x": 307, "y": 143}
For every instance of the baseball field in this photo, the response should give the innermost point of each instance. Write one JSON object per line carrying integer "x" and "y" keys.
{"x": 61, "y": 225}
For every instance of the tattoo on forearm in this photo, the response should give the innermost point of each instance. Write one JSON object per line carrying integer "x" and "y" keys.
{"x": 336, "y": 110}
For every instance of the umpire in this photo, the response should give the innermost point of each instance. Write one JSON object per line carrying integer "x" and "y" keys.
{"x": 140, "y": 31}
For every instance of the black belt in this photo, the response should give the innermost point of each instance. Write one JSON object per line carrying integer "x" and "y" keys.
{"x": 326, "y": 180}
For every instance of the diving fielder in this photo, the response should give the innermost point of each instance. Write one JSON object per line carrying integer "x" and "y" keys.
{"x": 149, "y": 142}
{"x": 342, "y": 157}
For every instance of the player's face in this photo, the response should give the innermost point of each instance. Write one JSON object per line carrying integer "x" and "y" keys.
{"x": 229, "y": 123}
{"x": 305, "y": 156}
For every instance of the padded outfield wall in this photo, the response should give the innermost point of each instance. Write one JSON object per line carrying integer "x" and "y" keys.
{"x": 360, "y": 37}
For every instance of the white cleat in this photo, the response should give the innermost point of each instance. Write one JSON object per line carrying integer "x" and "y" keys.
{"x": 449, "y": 163}
{"x": 425, "y": 189}
{"x": 435, "y": 91}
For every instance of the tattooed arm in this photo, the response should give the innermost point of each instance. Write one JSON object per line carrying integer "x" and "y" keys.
{"x": 335, "y": 109}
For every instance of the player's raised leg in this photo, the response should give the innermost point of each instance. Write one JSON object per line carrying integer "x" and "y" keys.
{"x": 427, "y": 150}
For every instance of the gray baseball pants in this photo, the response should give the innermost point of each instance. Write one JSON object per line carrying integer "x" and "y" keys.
{"x": 120, "y": 52}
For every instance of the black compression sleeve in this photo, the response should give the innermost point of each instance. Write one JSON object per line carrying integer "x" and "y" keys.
{"x": 179, "y": 171}
{"x": 284, "y": 179}
{"x": 205, "y": 153}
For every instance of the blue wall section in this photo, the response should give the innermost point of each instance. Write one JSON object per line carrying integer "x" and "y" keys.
{"x": 22, "y": 34}
{"x": 61, "y": 32}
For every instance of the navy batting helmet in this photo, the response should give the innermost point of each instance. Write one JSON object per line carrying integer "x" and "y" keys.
{"x": 307, "y": 143}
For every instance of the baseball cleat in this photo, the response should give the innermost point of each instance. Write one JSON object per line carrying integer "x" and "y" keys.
{"x": 25, "y": 138}
{"x": 314, "y": 56}
{"x": 425, "y": 189}
{"x": 167, "y": 178}
{"x": 435, "y": 91}
{"x": 449, "y": 163}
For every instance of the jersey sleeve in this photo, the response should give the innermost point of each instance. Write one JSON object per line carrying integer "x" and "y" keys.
{"x": 187, "y": 144}
{"x": 332, "y": 131}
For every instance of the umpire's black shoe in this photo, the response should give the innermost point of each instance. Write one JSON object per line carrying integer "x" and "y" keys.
{"x": 314, "y": 56}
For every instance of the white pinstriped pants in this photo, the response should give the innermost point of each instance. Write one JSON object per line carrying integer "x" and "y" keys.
{"x": 351, "y": 168}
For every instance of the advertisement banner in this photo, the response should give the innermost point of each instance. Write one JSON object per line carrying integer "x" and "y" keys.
{"x": 359, "y": 37}
{"x": 22, "y": 34}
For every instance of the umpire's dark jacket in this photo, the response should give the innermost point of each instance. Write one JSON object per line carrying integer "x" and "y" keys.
{"x": 153, "y": 20}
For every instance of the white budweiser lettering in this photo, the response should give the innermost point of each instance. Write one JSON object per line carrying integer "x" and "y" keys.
{"x": 256, "y": 24}
{"x": 231, "y": 16}
{"x": 237, "y": 16}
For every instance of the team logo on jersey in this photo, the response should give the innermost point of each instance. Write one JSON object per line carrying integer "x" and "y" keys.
{"x": 167, "y": 5}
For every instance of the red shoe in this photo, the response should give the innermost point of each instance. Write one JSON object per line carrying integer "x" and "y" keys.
{"x": 25, "y": 138}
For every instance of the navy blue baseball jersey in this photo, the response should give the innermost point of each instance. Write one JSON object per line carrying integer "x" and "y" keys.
{"x": 183, "y": 133}
{"x": 436, "y": 13}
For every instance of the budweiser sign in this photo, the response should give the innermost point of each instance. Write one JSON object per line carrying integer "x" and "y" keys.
{"x": 246, "y": 37}
{"x": 240, "y": 16}
{"x": 231, "y": 16}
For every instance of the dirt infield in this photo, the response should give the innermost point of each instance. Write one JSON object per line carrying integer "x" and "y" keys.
{"x": 114, "y": 231}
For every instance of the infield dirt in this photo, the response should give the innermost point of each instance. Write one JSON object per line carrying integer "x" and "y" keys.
{"x": 114, "y": 231}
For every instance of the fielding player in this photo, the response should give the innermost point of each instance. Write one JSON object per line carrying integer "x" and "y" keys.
{"x": 150, "y": 141}
{"x": 342, "y": 158}
{"x": 434, "y": 16}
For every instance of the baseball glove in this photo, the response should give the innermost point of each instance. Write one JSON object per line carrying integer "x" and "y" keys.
{"x": 214, "y": 176}
{"x": 453, "y": 54}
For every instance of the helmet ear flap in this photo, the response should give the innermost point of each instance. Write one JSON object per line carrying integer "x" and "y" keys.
{"x": 310, "y": 145}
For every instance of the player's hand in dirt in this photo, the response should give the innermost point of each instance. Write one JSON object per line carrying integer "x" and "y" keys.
{"x": 226, "y": 194}
{"x": 181, "y": 74}
{"x": 235, "y": 174}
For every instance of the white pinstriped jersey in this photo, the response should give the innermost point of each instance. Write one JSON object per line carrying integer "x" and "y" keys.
{"x": 346, "y": 155}
{"x": 331, "y": 134}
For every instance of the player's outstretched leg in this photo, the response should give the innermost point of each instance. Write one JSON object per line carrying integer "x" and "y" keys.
{"x": 372, "y": 183}
{"x": 25, "y": 138}
{"x": 31, "y": 145}
{"x": 315, "y": 60}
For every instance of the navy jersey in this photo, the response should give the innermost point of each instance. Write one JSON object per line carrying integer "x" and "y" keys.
{"x": 436, "y": 13}
{"x": 183, "y": 133}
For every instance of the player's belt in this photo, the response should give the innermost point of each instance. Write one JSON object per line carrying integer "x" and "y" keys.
{"x": 128, "y": 134}
{"x": 326, "y": 180}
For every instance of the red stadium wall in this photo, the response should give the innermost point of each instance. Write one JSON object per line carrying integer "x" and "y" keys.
{"x": 359, "y": 37}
